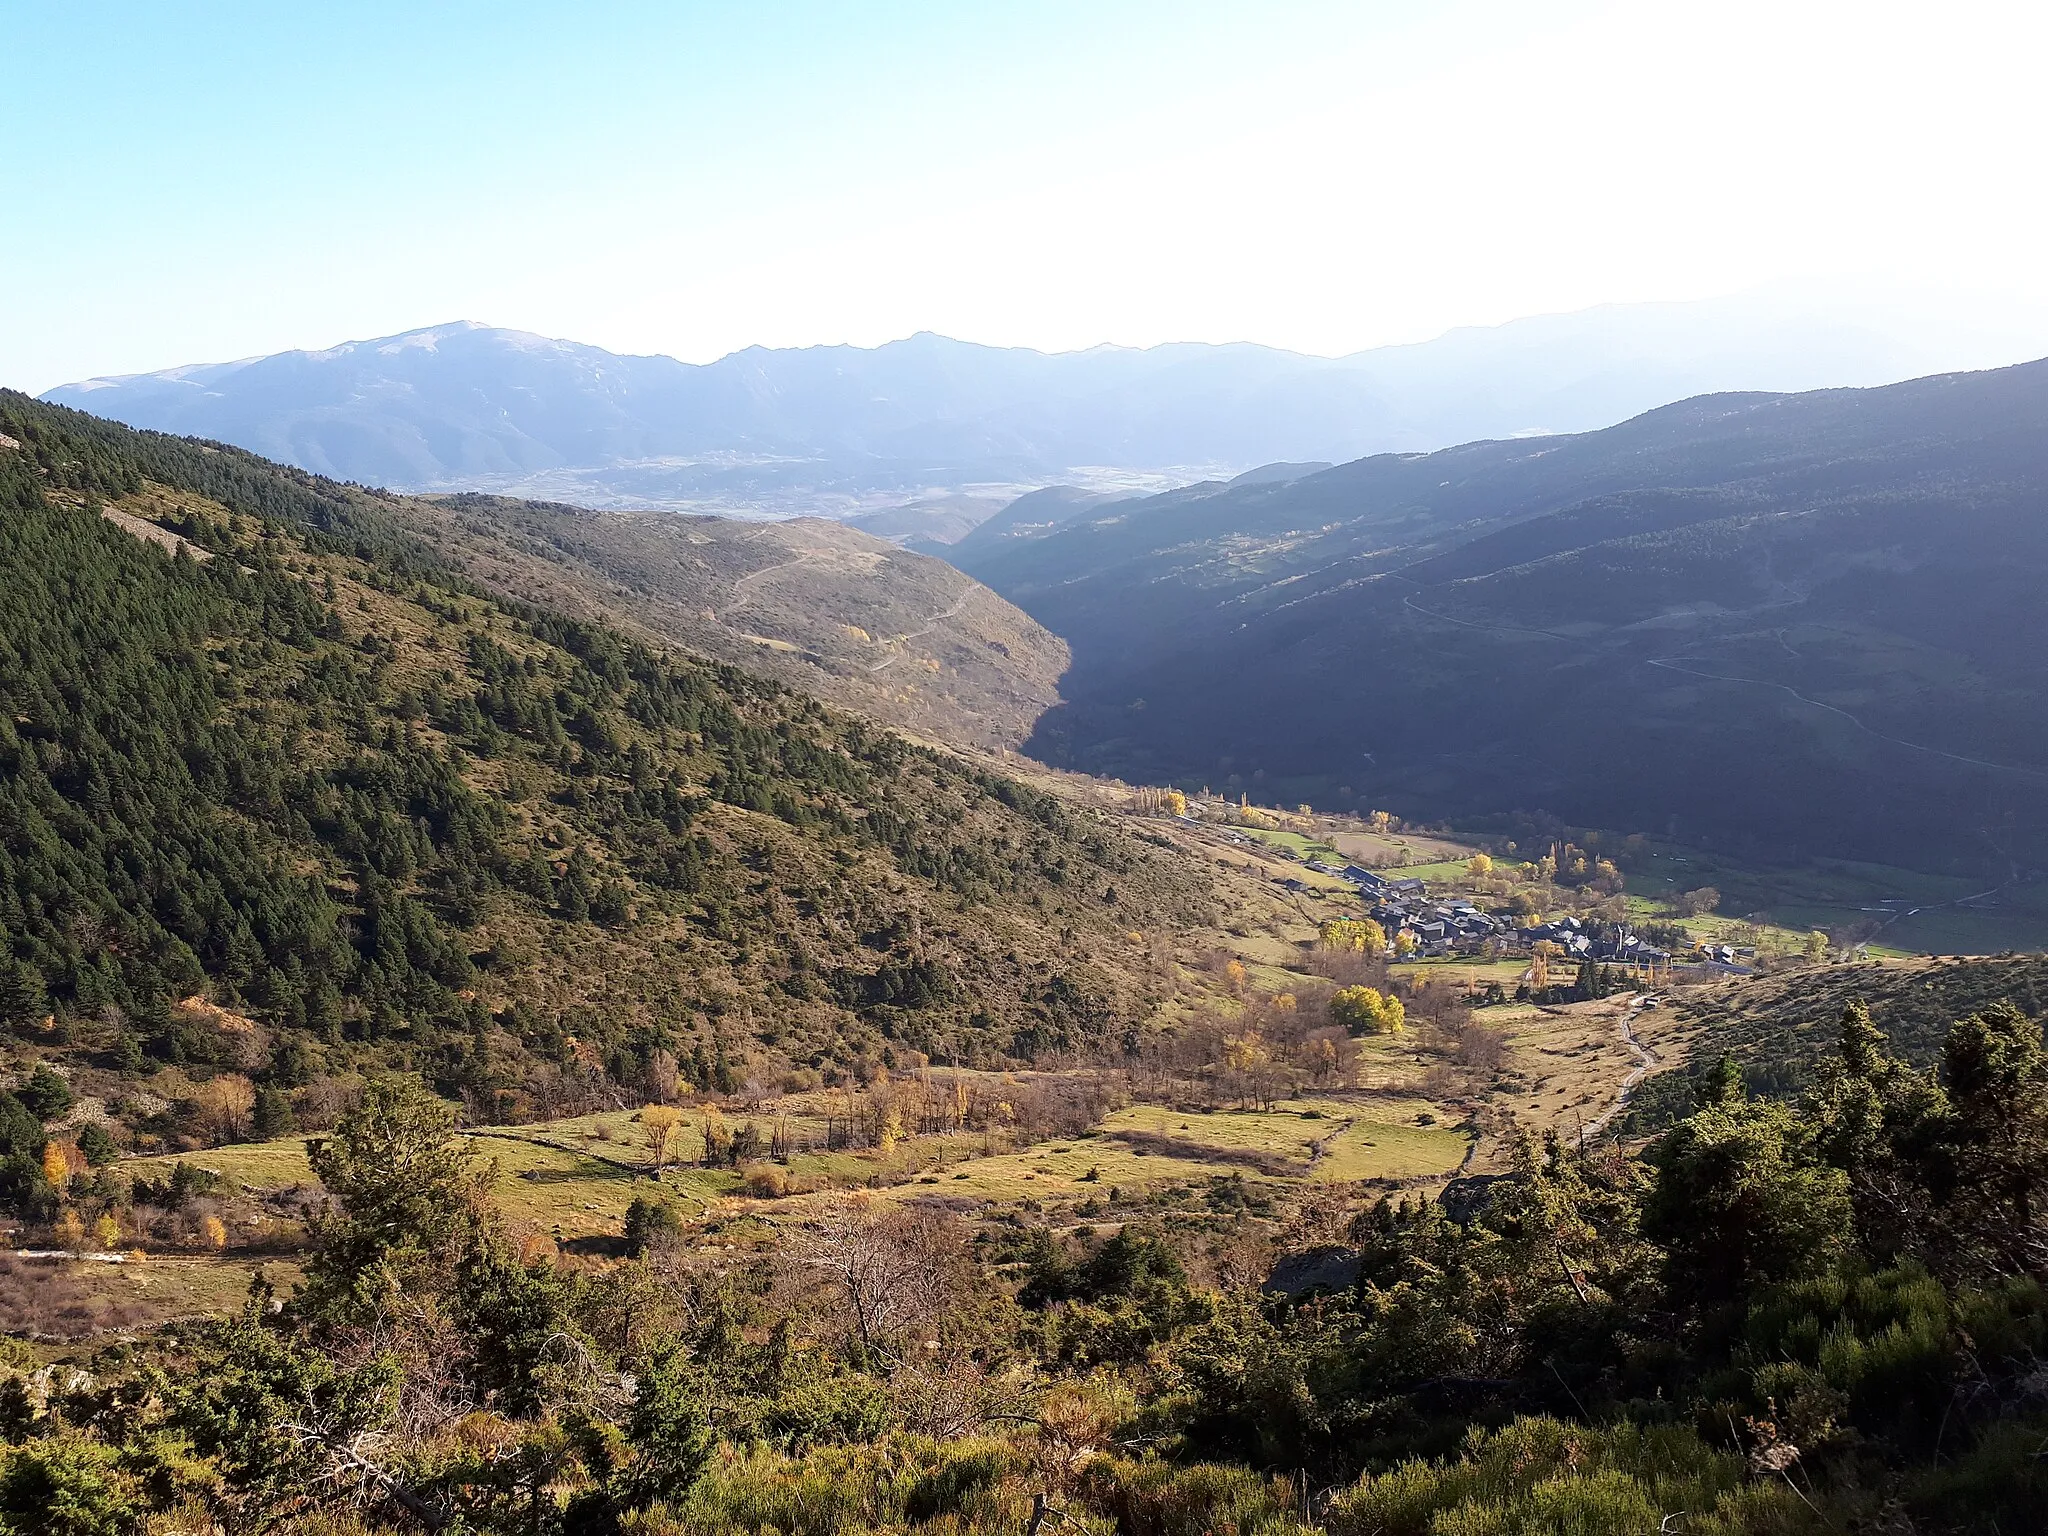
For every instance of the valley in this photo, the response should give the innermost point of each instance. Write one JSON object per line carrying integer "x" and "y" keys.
{"x": 594, "y": 1018}
{"x": 1773, "y": 629}
{"x": 1232, "y": 770}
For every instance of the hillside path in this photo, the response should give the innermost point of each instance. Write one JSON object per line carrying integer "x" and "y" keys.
{"x": 739, "y": 586}
{"x": 1645, "y": 1060}
{"x": 930, "y": 624}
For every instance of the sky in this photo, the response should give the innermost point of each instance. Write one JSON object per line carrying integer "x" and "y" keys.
{"x": 213, "y": 180}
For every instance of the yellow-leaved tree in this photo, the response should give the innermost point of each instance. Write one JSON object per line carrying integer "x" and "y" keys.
{"x": 1367, "y": 1011}
{"x": 890, "y": 1132}
{"x": 223, "y": 1104}
{"x": 661, "y": 1122}
{"x": 1479, "y": 866}
{"x": 1354, "y": 935}
{"x": 717, "y": 1139}
{"x": 1243, "y": 1053}
{"x": 56, "y": 1166}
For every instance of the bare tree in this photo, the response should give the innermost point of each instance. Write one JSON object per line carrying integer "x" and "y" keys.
{"x": 895, "y": 1272}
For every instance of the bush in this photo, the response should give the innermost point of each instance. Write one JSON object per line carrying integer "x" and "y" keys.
{"x": 2000, "y": 1484}
{"x": 765, "y": 1181}
{"x": 650, "y": 1224}
{"x": 968, "y": 1469}
{"x": 66, "y": 1488}
{"x": 1539, "y": 1476}
{"x": 1156, "y": 1498}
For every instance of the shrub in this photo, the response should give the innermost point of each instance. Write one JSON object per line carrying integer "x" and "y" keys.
{"x": 66, "y": 1488}
{"x": 765, "y": 1181}
{"x": 650, "y": 1224}
{"x": 1543, "y": 1476}
{"x": 1156, "y": 1498}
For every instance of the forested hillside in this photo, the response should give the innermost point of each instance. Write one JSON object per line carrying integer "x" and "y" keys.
{"x": 1782, "y": 1030}
{"x": 365, "y": 814}
{"x": 1794, "y": 624}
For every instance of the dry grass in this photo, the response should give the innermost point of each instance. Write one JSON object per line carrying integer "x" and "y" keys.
{"x": 71, "y": 1300}
{"x": 1567, "y": 1064}
{"x": 822, "y": 606}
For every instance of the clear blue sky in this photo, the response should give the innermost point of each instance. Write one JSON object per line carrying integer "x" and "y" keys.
{"x": 192, "y": 182}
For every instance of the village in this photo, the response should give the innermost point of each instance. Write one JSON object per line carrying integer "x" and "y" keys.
{"x": 1420, "y": 924}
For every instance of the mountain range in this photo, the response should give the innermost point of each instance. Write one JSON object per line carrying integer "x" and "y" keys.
{"x": 1797, "y": 622}
{"x": 959, "y": 428}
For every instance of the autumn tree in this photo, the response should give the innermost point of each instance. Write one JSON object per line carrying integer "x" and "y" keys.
{"x": 1479, "y": 866}
{"x": 717, "y": 1138}
{"x": 1330, "y": 1055}
{"x": 222, "y": 1105}
{"x": 1367, "y": 1011}
{"x": 661, "y": 1123}
{"x": 1357, "y": 936}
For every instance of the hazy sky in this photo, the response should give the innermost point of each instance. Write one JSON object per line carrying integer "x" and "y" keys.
{"x": 203, "y": 181}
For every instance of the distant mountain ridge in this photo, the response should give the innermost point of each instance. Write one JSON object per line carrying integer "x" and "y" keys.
{"x": 841, "y": 430}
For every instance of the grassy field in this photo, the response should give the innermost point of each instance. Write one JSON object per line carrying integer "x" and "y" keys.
{"x": 1384, "y": 849}
{"x": 1464, "y": 970}
{"x": 546, "y": 1185}
{"x": 1296, "y": 843}
{"x": 1442, "y": 872}
{"x": 1333, "y": 1139}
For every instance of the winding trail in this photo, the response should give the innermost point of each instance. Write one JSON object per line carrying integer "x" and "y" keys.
{"x": 930, "y": 624}
{"x": 1645, "y": 1060}
{"x": 739, "y": 601}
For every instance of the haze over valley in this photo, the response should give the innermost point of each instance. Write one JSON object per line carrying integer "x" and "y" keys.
{"x": 847, "y": 431}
